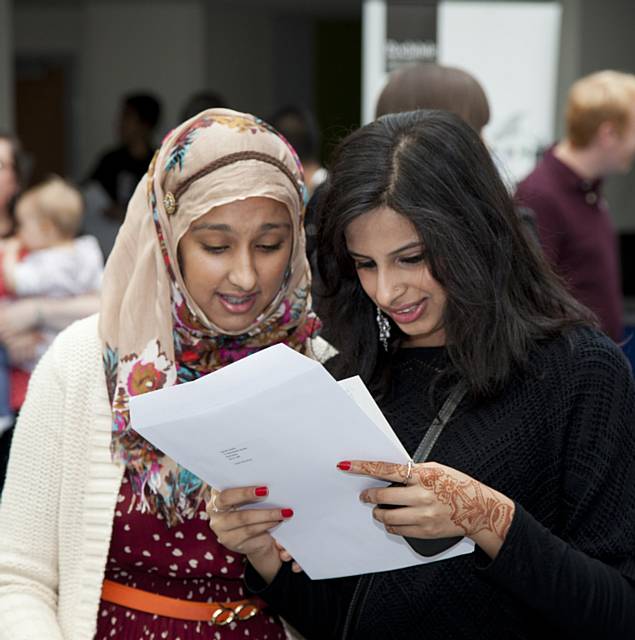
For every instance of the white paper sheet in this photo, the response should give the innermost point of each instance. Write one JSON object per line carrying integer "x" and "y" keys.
{"x": 278, "y": 419}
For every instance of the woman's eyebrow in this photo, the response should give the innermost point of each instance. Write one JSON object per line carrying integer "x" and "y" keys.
{"x": 356, "y": 255}
{"x": 410, "y": 245}
{"x": 210, "y": 226}
{"x": 268, "y": 226}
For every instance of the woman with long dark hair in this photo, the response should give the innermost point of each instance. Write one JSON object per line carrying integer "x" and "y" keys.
{"x": 433, "y": 294}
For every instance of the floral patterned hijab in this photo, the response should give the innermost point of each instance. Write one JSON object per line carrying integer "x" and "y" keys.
{"x": 153, "y": 333}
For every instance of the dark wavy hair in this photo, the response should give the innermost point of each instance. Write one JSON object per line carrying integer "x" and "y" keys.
{"x": 502, "y": 297}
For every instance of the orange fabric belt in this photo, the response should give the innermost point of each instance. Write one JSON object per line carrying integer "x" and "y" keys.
{"x": 220, "y": 613}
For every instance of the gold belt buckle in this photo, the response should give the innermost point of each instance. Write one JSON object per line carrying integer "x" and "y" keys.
{"x": 231, "y": 615}
{"x": 245, "y": 611}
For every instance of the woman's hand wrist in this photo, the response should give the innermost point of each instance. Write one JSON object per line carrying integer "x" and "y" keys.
{"x": 248, "y": 531}
{"x": 444, "y": 502}
{"x": 491, "y": 534}
{"x": 266, "y": 564}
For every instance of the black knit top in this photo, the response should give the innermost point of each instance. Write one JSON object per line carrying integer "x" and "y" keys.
{"x": 560, "y": 441}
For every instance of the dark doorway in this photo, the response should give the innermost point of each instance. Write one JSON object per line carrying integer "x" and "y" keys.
{"x": 338, "y": 77}
{"x": 43, "y": 113}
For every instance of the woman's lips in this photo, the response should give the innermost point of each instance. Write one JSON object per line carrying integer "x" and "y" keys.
{"x": 408, "y": 313}
{"x": 237, "y": 304}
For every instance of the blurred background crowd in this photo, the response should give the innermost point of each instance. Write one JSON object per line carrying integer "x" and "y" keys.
{"x": 88, "y": 88}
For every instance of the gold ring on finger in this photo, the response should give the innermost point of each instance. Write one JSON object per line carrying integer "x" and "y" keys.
{"x": 409, "y": 472}
{"x": 216, "y": 509}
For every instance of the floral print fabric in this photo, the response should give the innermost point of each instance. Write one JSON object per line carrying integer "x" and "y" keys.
{"x": 153, "y": 333}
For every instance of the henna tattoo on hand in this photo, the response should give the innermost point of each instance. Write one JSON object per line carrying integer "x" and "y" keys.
{"x": 475, "y": 507}
{"x": 384, "y": 469}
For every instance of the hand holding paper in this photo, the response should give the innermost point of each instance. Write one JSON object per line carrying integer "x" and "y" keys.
{"x": 248, "y": 531}
{"x": 278, "y": 419}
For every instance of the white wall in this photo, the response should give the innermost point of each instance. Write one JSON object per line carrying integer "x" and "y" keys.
{"x": 570, "y": 57}
{"x": 251, "y": 55}
{"x": 42, "y": 30}
{"x": 239, "y": 57}
{"x": 6, "y": 66}
{"x": 136, "y": 46}
{"x": 118, "y": 47}
{"x": 512, "y": 49}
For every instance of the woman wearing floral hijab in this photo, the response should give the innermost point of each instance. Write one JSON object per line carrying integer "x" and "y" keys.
{"x": 109, "y": 538}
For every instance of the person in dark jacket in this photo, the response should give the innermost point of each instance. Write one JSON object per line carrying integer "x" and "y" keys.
{"x": 432, "y": 283}
{"x": 119, "y": 170}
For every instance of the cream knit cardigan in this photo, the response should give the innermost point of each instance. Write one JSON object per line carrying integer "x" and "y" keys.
{"x": 58, "y": 504}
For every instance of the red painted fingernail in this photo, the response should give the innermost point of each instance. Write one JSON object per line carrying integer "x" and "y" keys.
{"x": 345, "y": 465}
{"x": 286, "y": 513}
{"x": 261, "y": 491}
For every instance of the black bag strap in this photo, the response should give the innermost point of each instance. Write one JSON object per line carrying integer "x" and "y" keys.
{"x": 424, "y": 547}
{"x": 438, "y": 424}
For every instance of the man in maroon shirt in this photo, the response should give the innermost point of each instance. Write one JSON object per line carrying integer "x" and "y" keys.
{"x": 565, "y": 192}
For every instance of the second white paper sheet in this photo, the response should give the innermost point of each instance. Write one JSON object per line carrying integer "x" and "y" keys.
{"x": 278, "y": 419}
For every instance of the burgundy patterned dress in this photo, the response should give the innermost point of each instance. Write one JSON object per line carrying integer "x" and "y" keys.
{"x": 186, "y": 562}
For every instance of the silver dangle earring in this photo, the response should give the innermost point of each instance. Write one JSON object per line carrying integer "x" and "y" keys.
{"x": 384, "y": 328}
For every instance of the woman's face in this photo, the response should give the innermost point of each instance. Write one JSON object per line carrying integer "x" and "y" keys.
{"x": 234, "y": 259}
{"x": 389, "y": 257}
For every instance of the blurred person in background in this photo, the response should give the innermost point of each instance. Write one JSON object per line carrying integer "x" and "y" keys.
{"x": 298, "y": 126}
{"x": 119, "y": 170}
{"x": 111, "y": 184}
{"x": 11, "y": 178}
{"x": 565, "y": 192}
{"x": 201, "y": 101}
{"x": 44, "y": 260}
{"x": 426, "y": 85}
{"x": 433, "y": 86}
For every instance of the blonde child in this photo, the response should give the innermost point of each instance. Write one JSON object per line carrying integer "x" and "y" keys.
{"x": 46, "y": 259}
